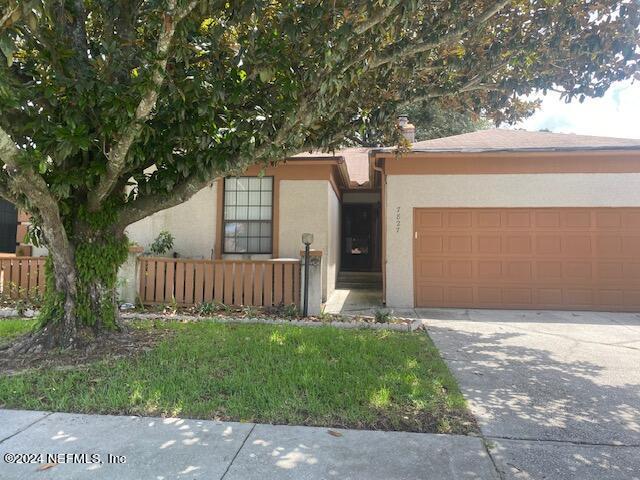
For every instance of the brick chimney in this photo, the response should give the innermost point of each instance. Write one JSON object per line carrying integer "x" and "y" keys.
{"x": 408, "y": 129}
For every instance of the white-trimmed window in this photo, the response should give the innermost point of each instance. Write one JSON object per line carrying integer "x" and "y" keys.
{"x": 248, "y": 214}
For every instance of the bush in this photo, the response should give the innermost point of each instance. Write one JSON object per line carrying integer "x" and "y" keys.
{"x": 162, "y": 244}
{"x": 382, "y": 316}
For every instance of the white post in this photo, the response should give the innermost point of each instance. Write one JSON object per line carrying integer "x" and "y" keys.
{"x": 128, "y": 277}
{"x": 315, "y": 281}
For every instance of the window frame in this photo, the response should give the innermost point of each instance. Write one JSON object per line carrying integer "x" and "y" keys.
{"x": 225, "y": 221}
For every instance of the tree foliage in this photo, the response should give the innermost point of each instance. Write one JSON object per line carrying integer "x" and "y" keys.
{"x": 93, "y": 93}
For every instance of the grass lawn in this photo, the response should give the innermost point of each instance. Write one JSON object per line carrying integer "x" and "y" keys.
{"x": 261, "y": 373}
{"x": 11, "y": 328}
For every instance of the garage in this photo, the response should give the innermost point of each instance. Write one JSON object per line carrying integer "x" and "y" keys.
{"x": 542, "y": 258}
{"x": 512, "y": 219}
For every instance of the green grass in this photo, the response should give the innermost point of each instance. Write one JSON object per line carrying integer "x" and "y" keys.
{"x": 261, "y": 373}
{"x": 11, "y": 328}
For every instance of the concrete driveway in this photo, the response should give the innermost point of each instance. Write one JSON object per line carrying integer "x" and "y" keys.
{"x": 557, "y": 394}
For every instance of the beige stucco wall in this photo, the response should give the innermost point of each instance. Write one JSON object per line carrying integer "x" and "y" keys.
{"x": 333, "y": 247}
{"x": 192, "y": 223}
{"x": 406, "y": 192}
{"x": 304, "y": 208}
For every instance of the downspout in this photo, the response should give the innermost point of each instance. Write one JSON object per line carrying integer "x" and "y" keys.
{"x": 383, "y": 220}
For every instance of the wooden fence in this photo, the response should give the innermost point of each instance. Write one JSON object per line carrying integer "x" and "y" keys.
{"x": 22, "y": 277}
{"x": 231, "y": 282}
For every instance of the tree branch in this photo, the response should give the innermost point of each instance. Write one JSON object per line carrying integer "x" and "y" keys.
{"x": 377, "y": 18}
{"x": 22, "y": 180}
{"x": 117, "y": 156}
{"x": 399, "y": 53}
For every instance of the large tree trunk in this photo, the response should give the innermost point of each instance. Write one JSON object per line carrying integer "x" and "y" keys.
{"x": 80, "y": 299}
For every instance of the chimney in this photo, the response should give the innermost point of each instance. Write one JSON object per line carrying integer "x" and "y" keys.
{"x": 408, "y": 129}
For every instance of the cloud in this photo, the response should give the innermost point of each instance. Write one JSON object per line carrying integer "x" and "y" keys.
{"x": 616, "y": 114}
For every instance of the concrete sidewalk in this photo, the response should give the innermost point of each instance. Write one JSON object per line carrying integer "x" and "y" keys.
{"x": 168, "y": 448}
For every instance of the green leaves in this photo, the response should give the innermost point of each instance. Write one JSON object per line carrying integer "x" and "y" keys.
{"x": 8, "y": 48}
{"x": 251, "y": 82}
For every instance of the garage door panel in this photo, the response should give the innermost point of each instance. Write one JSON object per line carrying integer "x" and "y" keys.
{"x": 528, "y": 258}
{"x": 547, "y": 219}
{"x": 489, "y": 244}
{"x": 518, "y": 244}
{"x": 459, "y": 219}
{"x": 459, "y": 244}
{"x": 489, "y": 219}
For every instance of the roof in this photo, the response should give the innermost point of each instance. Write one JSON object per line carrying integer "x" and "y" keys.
{"x": 491, "y": 140}
{"x": 499, "y": 139}
{"x": 355, "y": 158}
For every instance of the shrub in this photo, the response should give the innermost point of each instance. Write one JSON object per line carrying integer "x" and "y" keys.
{"x": 162, "y": 244}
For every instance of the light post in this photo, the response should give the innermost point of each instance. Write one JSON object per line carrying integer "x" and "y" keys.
{"x": 307, "y": 239}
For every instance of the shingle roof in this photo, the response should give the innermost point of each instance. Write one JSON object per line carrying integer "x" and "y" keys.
{"x": 496, "y": 139}
{"x": 356, "y": 159}
{"x": 522, "y": 140}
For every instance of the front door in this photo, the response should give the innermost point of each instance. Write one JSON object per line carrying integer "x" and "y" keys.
{"x": 359, "y": 242}
{"x": 8, "y": 225}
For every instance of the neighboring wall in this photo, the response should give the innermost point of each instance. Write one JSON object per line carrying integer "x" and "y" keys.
{"x": 406, "y": 192}
{"x": 192, "y": 223}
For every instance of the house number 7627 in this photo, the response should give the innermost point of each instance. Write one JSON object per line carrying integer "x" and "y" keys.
{"x": 397, "y": 219}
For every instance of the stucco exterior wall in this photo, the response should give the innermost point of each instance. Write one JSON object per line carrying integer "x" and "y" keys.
{"x": 304, "y": 208}
{"x": 192, "y": 223}
{"x": 333, "y": 248}
{"x": 406, "y": 192}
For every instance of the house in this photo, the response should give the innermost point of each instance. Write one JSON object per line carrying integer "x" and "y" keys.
{"x": 495, "y": 218}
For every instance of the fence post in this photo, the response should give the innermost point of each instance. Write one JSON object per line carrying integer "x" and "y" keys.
{"x": 128, "y": 277}
{"x": 315, "y": 280}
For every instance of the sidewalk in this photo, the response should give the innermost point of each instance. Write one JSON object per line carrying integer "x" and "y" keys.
{"x": 172, "y": 448}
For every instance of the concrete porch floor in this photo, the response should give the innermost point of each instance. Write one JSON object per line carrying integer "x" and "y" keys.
{"x": 354, "y": 301}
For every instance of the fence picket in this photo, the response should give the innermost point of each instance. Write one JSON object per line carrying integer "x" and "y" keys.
{"x": 232, "y": 282}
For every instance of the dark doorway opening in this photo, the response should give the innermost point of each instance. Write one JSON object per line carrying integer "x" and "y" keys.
{"x": 361, "y": 233}
{"x": 8, "y": 226}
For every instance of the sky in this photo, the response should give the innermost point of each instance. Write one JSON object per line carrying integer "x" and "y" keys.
{"x": 616, "y": 114}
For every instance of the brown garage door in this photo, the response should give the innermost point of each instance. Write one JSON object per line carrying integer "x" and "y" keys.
{"x": 557, "y": 258}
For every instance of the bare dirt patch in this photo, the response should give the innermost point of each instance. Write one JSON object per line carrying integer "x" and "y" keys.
{"x": 129, "y": 341}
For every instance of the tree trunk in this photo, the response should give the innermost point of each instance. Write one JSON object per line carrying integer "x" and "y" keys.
{"x": 80, "y": 301}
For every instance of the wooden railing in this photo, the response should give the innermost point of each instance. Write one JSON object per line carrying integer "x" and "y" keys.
{"x": 231, "y": 282}
{"x": 22, "y": 277}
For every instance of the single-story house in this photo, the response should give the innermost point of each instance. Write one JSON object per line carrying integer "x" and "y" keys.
{"x": 495, "y": 218}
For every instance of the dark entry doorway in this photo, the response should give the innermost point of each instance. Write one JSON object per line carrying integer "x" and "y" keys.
{"x": 8, "y": 226}
{"x": 361, "y": 237}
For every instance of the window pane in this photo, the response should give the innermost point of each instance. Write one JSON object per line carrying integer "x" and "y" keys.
{"x": 242, "y": 198}
{"x": 241, "y": 244}
{"x": 265, "y": 245}
{"x": 254, "y": 245}
{"x": 230, "y": 197}
{"x": 265, "y": 229}
{"x": 254, "y": 198}
{"x": 254, "y": 229}
{"x": 230, "y": 183}
{"x": 242, "y": 213}
{"x": 265, "y": 198}
{"x": 243, "y": 183}
{"x": 229, "y": 244}
{"x": 266, "y": 183}
{"x": 265, "y": 213}
{"x": 230, "y": 213}
{"x": 254, "y": 213}
{"x": 254, "y": 183}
